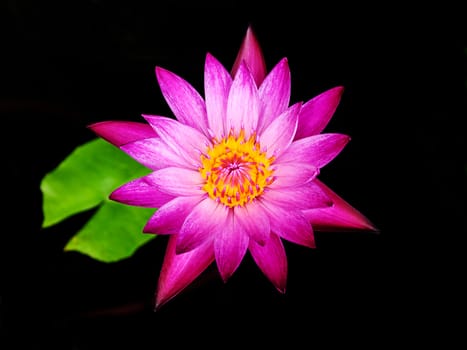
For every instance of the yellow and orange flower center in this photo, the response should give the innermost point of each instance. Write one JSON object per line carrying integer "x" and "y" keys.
{"x": 236, "y": 170}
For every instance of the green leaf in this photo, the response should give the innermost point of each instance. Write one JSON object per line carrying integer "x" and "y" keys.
{"x": 113, "y": 233}
{"x": 85, "y": 179}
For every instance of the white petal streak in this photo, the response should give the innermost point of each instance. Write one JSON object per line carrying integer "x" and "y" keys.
{"x": 183, "y": 140}
{"x": 254, "y": 221}
{"x": 184, "y": 101}
{"x": 243, "y": 103}
{"x": 293, "y": 174}
{"x": 274, "y": 93}
{"x": 201, "y": 225}
{"x": 177, "y": 181}
{"x": 153, "y": 153}
{"x": 230, "y": 245}
{"x": 279, "y": 134}
{"x": 291, "y": 225}
{"x": 307, "y": 196}
{"x": 217, "y": 82}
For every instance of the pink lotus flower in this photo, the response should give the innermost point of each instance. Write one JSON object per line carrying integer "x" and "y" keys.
{"x": 237, "y": 171}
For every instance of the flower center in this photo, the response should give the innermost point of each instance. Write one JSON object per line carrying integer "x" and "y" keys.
{"x": 236, "y": 170}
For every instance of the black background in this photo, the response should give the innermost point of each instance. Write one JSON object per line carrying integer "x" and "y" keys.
{"x": 65, "y": 65}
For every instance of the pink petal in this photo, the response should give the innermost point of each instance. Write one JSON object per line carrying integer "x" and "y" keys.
{"x": 272, "y": 261}
{"x": 169, "y": 218}
{"x": 293, "y": 174}
{"x": 179, "y": 270}
{"x": 177, "y": 181}
{"x": 199, "y": 225}
{"x": 274, "y": 93}
{"x": 120, "y": 132}
{"x": 279, "y": 134}
{"x": 152, "y": 153}
{"x": 140, "y": 192}
{"x": 243, "y": 103}
{"x": 341, "y": 216}
{"x": 183, "y": 140}
{"x": 290, "y": 224}
{"x": 230, "y": 245}
{"x": 318, "y": 150}
{"x": 254, "y": 221}
{"x": 250, "y": 52}
{"x": 184, "y": 101}
{"x": 317, "y": 112}
{"x": 217, "y": 82}
{"x": 310, "y": 195}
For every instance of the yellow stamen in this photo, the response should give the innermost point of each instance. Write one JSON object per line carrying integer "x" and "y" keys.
{"x": 236, "y": 170}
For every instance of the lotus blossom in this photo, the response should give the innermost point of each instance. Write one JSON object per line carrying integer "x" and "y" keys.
{"x": 236, "y": 172}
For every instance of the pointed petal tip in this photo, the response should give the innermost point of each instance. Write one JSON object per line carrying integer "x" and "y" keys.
{"x": 162, "y": 299}
{"x": 91, "y": 126}
{"x": 339, "y": 89}
{"x": 163, "y": 295}
{"x": 159, "y": 70}
{"x": 98, "y": 125}
{"x": 147, "y": 116}
{"x": 281, "y": 289}
{"x": 112, "y": 196}
{"x": 251, "y": 37}
{"x": 225, "y": 277}
{"x": 250, "y": 33}
{"x": 157, "y": 300}
{"x": 148, "y": 231}
{"x": 284, "y": 61}
{"x": 311, "y": 243}
{"x": 345, "y": 139}
{"x": 119, "y": 132}
{"x": 116, "y": 195}
{"x": 251, "y": 52}
{"x": 365, "y": 227}
{"x": 340, "y": 217}
{"x": 162, "y": 74}
{"x": 159, "y": 303}
{"x": 296, "y": 105}
{"x": 370, "y": 227}
{"x": 335, "y": 92}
